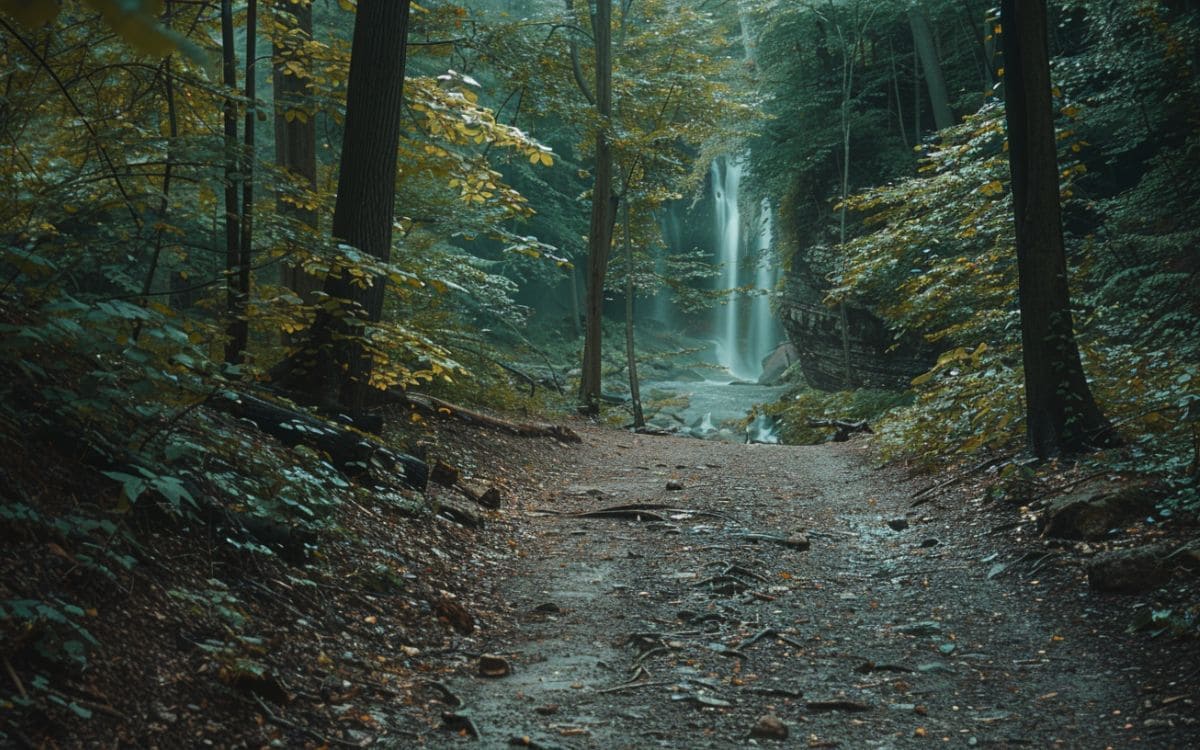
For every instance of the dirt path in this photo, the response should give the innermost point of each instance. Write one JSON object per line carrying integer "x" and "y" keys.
{"x": 682, "y": 628}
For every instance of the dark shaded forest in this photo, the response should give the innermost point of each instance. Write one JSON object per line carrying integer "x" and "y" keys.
{"x": 321, "y": 322}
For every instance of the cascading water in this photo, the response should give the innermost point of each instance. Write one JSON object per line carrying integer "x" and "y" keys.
{"x": 745, "y": 328}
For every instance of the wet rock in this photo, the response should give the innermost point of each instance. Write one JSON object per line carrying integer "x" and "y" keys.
{"x": 1091, "y": 511}
{"x": 548, "y": 608}
{"x": 547, "y": 710}
{"x": 491, "y": 665}
{"x": 925, "y": 627}
{"x": 1130, "y": 571}
{"x": 797, "y": 541}
{"x": 931, "y": 542}
{"x": 776, "y": 363}
{"x": 769, "y": 727}
{"x": 897, "y": 524}
{"x": 674, "y": 485}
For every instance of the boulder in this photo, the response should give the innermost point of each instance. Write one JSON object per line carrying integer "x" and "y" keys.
{"x": 1089, "y": 512}
{"x": 776, "y": 364}
{"x": 877, "y": 357}
{"x": 1130, "y": 571}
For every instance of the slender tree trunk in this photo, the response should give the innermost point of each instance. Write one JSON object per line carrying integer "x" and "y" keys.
{"x": 235, "y": 347}
{"x": 295, "y": 131}
{"x": 896, "y": 91}
{"x": 603, "y": 210}
{"x": 635, "y": 393}
{"x": 847, "y": 90}
{"x": 924, "y": 44}
{"x": 164, "y": 204}
{"x": 334, "y": 365}
{"x": 245, "y": 255}
{"x": 916, "y": 66}
{"x": 1061, "y": 415}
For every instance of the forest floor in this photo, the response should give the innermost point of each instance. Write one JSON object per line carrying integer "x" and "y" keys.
{"x": 753, "y": 590}
{"x": 766, "y": 581}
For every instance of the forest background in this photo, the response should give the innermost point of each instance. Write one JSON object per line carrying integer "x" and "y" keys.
{"x": 171, "y": 170}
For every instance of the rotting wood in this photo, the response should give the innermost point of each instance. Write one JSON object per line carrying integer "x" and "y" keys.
{"x": 460, "y": 515}
{"x": 350, "y": 451}
{"x": 488, "y": 497}
{"x": 436, "y": 407}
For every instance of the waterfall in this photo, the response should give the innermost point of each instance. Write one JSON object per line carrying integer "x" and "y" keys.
{"x": 745, "y": 328}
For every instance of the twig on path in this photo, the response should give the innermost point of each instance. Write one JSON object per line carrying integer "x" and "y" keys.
{"x": 769, "y": 632}
{"x": 271, "y": 717}
{"x": 12, "y": 675}
{"x": 633, "y": 686}
{"x": 937, "y": 488}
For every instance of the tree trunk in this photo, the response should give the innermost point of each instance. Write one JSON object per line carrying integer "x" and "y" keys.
{"x": 295, "y": 138}
{"x": 936, "y": 83}
{"x": 245, "y": 255}
{"x": 635, "y": 394}
{"x": 603, "y": 210}
{"x": 236, "y": 345}
{"x": 1061, "y": 415}
{"x": 333, "y": 364}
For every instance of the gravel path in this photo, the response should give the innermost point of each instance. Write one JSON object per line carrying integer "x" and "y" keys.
{"x": 684, "y": 625}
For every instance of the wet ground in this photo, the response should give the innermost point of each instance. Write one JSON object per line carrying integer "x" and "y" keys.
{"x": 795, "y": 583}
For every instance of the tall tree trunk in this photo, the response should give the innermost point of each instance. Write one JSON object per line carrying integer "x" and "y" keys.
{"x": 635, "y": 393}
{"x": 246, "y": 243}
{"x": 916, "y": 67}
{"x": 295, "y": 130}
{"x": 603, "y": 213}
{"x": 896, "y": 91}
{"x": 923, "y": 42}
{"x": 235, "y": 347}
{"x": 333, "y": 365}
{"x": 1061, "y": 415}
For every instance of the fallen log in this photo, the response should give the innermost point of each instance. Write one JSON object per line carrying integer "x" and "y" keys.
{"x": 438, "y": 408}
{"x": 488, "y": 497}
{"x": 844, "y": 428}
{"x": 352, "y": 452}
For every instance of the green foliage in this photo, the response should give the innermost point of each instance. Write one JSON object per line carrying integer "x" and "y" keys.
{"x": 796, "y": 409}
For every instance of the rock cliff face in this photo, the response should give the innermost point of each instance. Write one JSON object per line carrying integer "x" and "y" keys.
{"x": 876, "y": 359}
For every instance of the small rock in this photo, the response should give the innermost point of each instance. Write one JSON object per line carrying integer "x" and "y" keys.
{"x": 547, "y": 710}
{"x": 797, "y": 541}
{"x": 930, "y": 542}
{"x": 925, "y": 627}
{"x": 674, "y": 485}
{"x": 897, "y": 524}
{"x": 491, "y": 665}
{"x": 935, "y": 667}
{"x": 769, "y": 727}
{"x": 548, "y": 607}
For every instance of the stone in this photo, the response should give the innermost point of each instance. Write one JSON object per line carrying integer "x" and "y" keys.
{"x": 775, "y": 364}
{"x": 674, "y": 485}
{"x": 1130, "y": 571}
{"x": 491, "y": 665}
{"x": 798, "y": 542}
{"x": 1091, "y": 511}
{"x": 897, "y": 524}
{"x": 925, "y": 627}
{"x": 877, "y": 359}
{"x": 769, "y": 727}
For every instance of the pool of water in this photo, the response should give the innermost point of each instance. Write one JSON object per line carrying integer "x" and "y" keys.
{"x": 713, "y": 406}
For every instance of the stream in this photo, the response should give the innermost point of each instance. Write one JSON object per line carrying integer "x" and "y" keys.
{"x": 713, "y": 406}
